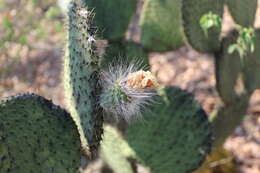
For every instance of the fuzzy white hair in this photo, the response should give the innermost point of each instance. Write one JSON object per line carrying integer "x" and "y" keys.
{"x": 131, "y": 106}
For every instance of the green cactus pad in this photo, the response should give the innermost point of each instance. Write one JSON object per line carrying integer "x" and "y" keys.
{"x": 112, "y": 17}
{"x": 251, "y": 68}
{"x": 115, "y": 150}
{"x": 192, "y": 11}
{"x": 81, "y": 78}
{"x": 228, "y": 68}
{"x": 126, "y": 50}
{"x": 37, "y": 136}
{"x": 228, "y": 118}
{"x": 243, "y": 11}
{"x": 161, "y": 25}
{"x": 175, "y": 135}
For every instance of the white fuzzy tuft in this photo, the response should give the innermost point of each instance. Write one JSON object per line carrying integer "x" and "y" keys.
{"x": 121, "y": 100}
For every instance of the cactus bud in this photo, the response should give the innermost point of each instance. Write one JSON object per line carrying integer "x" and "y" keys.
{"x": 126, "y": 91}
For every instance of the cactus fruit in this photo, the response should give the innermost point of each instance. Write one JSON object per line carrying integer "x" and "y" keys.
{"x": 175, "y": 136}
{"x": 112, "y": 17}
{"x": 251, "y": 68}
{"x": 126, "y": 91}
{"x": 37, "y": 136}
{"x": 124, "y": 51}
{"x": 81, "y": 77}
{"x": 192, "y": 11}
{"x": 243, "y": 11}
{"x": 228, "y": 68}
{"x": 160, "y": 23}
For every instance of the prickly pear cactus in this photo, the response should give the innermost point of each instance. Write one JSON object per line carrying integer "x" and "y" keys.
{"x": 228, "y": 68}
{"x": 251, "y": 68}
{"x": 125, "y": 51}
{"x": 37, "y": 136}
{"x": 160, "y": 23}
{"x": 81, "y": 76}
{"x": 112, "y": 17}
{"x": 175, "y": 135}
{"x": 192, "y": 11}
{"x": 243, "y": 11}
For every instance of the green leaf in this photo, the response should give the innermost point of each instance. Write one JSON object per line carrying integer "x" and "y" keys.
{"x": 23, "y": 40}
{"x": 7, "y": 23}
{"x": 232, "y": 48}
{"x": 245, "y": 42}
{"x": 52, "y": 13}
{"x": 210, "y": 20}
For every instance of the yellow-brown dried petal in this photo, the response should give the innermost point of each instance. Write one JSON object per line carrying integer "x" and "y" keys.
{"x": 142, "y": 80}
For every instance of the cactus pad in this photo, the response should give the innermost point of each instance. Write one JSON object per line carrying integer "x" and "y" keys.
{"x": 81, "y": 78}
{"x": 243, "y": 11}
{"x": 192, "y": 11}
{"x": 228, "y": 68}
{"x": 115, "y": 150}
{"x": 252, "y": 66}
{"x": 112, "y": 17}
{"x": 175, "y": 136}
{"x": 161, "y": 25}
{"x": 228, "y": 118}
{"x": 122, "y": 51}
{"x": 37, "y": 136}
